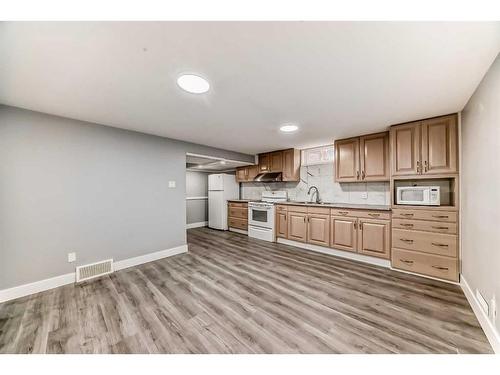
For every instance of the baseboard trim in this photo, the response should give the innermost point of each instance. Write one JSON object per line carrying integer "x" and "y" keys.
{"x": 491, "y": 333}
{"x": 339, "y": 253}
{"x": 197, "y": 225}
{"x": 240, "y": 231}
{"x": 36, "y": 287}
{"x": 69, "y": 278}
{"x": 151, "y": 257}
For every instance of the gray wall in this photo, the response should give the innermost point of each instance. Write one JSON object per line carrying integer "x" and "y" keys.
{"x": 196, "y": 186}
{"x": 480, "y": 188}
{"x": 70, "y": 186}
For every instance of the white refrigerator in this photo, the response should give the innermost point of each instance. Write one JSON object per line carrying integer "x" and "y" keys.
{"x": 221, "y": 188}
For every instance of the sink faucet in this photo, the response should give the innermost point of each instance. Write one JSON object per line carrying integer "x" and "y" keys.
{"x": 317, "y": 193}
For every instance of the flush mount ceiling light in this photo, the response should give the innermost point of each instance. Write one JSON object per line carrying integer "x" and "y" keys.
{"x": 289, "y": 128}
{"x": 193, "y": 83}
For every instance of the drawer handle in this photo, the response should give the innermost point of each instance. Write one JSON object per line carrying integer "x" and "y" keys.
{"x": 406, "y": 225}
{"x": 406, "y": 214}
{"x": 406, "y": 261}
{"x": 343, "y": 212}
{"x": 406, "y": 240}
{"x": 439, "y": 244}
{"x": 443, "y": 228}
{"x": 375, "y": 215}
{"x": 440, "y": 216}
{"x": 440, "y": 268}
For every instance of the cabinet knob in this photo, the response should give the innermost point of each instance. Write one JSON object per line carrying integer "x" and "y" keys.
{"x": 441, "y": 268}
{"x": 406, "y": 261}
{"x": 406, "y": 240}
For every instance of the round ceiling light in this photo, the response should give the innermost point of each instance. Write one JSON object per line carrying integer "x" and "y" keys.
{"x": 193, "y": 83}
{"x": 289, "y": 128}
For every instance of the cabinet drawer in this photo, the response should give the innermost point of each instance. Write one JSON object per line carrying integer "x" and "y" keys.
{"x": 238, "y": 223}
{"x": 428, "y": 226}
{"x": 281, "y": 208}
{"x": 318, "y": 210}
{"x": 427, "y": 264}
{"x": 297, "y": 209}
{"x": 238, "y": 212}
{"x": 373, "y": 215}
{"x": 343, "y": 212}
{"x": 238, "y": 204}
{"x": 448, "y": 216}
{"x": 434, "y": 243}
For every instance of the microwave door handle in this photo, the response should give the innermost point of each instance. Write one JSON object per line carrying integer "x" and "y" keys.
{"x": 427, "y": 196}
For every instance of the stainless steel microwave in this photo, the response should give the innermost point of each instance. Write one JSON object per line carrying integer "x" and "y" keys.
{"x": 418, "y": 195}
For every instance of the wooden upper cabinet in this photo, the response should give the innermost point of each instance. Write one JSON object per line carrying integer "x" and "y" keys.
{"x": 246, "y": 174}
{"x": 439, "y": 145}
{"x": 347, "y": 160}
{"x": 374, "y": 157}
{"x": 253, "y": 170}
{"x": 318, "y": 229}
{"x": 291, "y": 165}
{"x": 344, "y": 233}
{"x": 241, "y": 174}
{"x": 297, "y": 226}
{"x": 276, "y": 161}
{"x": 405, "y": 149}
{"x": 264, "y": 164}
{"x": 427, "y": 147}
{"x": 374, "y": 238}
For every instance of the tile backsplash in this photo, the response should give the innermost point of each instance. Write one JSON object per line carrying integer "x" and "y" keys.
{"x": 321, "y": 176}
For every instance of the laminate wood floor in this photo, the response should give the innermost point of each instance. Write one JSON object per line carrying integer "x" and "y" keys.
{"x": 234, "y": 294}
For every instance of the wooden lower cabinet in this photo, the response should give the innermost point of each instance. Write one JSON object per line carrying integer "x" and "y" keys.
{"x": 426, "y": 242}
{"x": 297, "y": 226}
{"x": 281, "y": 224}
{"x": 374, "y": 238}
{"x": 318, "y": 229}
{"x": 344, "y": 233}
{"x": 237, "y": 215}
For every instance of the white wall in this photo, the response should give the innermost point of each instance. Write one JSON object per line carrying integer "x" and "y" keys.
{"x": 71, "y": 186}
{"x": 480, "y": 189}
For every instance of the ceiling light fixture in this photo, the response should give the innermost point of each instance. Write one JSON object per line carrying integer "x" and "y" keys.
{"x": 223, "y": 162}
{"x": 289, "y": 128}
{"x": 193, "y": 83}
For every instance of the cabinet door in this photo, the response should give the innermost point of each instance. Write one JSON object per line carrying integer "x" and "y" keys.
{"x": 291, "y": 165}
{"x": 281, "y": 225}
{"x": 252, "y": 171}
{"x": 374, "y": 237}
{"x": 297, "y": 226}
{"x": 318, "y": 229}
{"x": 374, "y": 157}
{"x": 263, "y": 163}
{"x": 347, "y": 160}
{"x": 276, "y": 161}
{"x": 343, "y": 233}
{"x": 405, "y": 149}
{"x": 241, "y": 174}
{"x": 439, "y": 145}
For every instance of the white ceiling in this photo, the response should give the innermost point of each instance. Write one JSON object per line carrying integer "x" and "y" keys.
{"x": 335, "y": 79}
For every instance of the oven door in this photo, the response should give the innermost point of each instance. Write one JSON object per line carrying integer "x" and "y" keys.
{"x": 260, "y": 216}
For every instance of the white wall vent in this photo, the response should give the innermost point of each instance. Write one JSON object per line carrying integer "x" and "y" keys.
{"x": 91, "y": 271}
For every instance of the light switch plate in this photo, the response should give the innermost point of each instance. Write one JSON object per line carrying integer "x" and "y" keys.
{"x": 171, "y": 184}
{"x": 71, "y": 257}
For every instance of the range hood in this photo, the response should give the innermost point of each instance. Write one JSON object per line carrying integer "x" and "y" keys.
{"x": 268, "y": 177}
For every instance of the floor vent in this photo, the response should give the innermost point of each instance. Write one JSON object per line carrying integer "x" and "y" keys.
{"x": 90, "y": 271}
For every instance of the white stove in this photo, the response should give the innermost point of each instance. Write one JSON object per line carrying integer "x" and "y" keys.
{"x": 261, "y": 215}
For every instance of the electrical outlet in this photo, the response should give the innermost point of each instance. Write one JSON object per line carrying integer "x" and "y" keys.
{"x": 171, "y": 184}
{"x": 364, "y": 195}
{"x": 71, "y": 257}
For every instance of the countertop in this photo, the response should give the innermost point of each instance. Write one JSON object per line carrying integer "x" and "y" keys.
{"x": 327, "y": 205}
